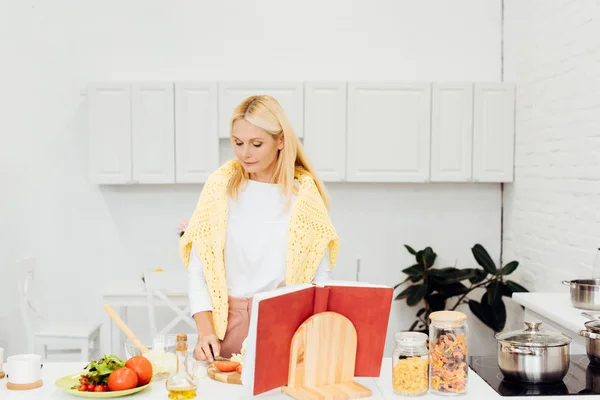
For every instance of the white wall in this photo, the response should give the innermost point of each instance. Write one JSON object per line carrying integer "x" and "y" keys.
{"x": 552, "y": 219}
{"x": 85, "y": 236}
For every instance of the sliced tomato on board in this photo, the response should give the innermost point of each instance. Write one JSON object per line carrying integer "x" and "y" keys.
{"x": 226, "y": 366}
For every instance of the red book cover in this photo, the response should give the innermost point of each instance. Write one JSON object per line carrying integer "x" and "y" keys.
{"x": 279, "y": 316}
{"x": 368, "y": 308}
{"x": 278, "y": 319}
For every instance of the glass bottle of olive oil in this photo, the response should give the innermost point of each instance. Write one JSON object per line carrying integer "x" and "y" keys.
{"x": 181, "y": 385}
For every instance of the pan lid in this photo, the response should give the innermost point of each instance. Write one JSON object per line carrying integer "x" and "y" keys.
{"x": 593, "y": 326}
{"x": 532, "y": 336}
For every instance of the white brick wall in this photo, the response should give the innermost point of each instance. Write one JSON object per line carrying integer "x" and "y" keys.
{"x": 552, "y": 210}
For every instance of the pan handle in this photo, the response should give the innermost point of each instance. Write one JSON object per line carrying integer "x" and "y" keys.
{"x": 518, "y": 350}
{"x": 567, "y": 283}
{"x": 589, "y": 335}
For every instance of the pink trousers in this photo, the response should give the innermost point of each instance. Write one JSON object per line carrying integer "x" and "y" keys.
{"x": 237, "y": 325}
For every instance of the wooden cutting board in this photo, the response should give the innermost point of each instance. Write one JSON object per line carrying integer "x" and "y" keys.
{"x": 225, "y": 377}
{"x": 322, "y": 360}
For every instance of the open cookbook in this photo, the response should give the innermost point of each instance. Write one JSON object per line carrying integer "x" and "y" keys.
{"x": 276, "y": 315}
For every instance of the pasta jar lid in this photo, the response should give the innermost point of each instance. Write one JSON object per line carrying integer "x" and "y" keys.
{"x": 448, "y": 318}
{"x": 410, "y": 337}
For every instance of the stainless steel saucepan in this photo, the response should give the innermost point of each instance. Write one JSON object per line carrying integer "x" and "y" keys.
{"x": 533, "y": 355}
{"x": 585, "y": 293}
{"x": 591, "y": 333}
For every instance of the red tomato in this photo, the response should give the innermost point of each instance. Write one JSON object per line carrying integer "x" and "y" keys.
{"x": 100, "y": 388}
{"x": 91, "y": 387}
{"x": 122, "y": 379}
{"x": 142, "y": 367}
{"x": 82, "y": 388}
{"x": 226, "y": 366}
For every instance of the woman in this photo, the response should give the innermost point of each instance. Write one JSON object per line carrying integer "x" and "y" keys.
{"x": 261, "y": 222}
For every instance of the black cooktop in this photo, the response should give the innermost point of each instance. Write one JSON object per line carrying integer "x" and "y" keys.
{"x": 582, "y": 378}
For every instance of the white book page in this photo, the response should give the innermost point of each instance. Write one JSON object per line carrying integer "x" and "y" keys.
{"x": 350, "y": 283}
{"x": 250, "y": 356}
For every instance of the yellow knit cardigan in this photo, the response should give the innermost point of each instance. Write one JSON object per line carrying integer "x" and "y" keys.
{"x": 310, "y": 233}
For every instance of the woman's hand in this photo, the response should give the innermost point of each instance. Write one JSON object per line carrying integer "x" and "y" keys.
{"x": 207, "y": 340}
{"x": 203, "y": 348}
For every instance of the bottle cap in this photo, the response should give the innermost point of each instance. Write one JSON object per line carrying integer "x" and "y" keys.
{"x": 181, "y": 337}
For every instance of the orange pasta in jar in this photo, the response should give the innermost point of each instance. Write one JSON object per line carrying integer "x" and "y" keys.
{"x": 448, "y": 352}
{"x": 410, "y": 366}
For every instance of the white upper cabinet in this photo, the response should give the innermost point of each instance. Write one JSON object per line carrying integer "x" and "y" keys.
{"x": 288, "y": 94}
{"x": 153, "y": 132}
{"x": 451, "y": 132}
{"x": 109, "y": 133}
{"x": 388, "y": 132}
{"x": 493, "y": 132}
{"x": 196, "y": 131}
{"x": 162, "y": 133}
{"x": 325, "y": 126}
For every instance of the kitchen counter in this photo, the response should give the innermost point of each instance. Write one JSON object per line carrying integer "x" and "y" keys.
{"x": 209, "y": 389}
{"x": 556, "y": 312}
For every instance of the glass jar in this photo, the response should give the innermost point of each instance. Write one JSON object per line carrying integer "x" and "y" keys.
{"x": 448, "y": 373}
{"x": 410, "y": 364}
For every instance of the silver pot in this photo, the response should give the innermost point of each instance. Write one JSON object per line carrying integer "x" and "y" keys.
{"x": 533, "y": 356}
{"x": 591, "y": 333}
{"x": 585, "y": 293}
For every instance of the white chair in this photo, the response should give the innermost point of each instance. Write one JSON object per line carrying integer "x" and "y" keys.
{"x": 158, "y": 285}
{"x": 54, "y": 339}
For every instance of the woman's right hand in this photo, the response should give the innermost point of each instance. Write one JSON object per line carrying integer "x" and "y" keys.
{"x": 202, "y": 351}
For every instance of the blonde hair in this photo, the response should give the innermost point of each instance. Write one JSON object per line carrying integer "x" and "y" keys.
{"x": 265, "y": 112}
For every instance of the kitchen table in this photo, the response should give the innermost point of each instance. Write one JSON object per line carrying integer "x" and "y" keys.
{"x": 556, "y": 313}
{"x": 122, "y": 295}
{"x": 209, "y": 389}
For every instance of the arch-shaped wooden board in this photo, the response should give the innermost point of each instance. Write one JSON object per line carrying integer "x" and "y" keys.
{"x": 322, "y": 359}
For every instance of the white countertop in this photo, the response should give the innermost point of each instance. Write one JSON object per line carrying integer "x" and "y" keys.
{"x": 555, "y": 307}
{"x": 209, "y": 389}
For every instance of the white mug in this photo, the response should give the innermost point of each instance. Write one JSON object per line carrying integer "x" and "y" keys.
{"x": 24, "y": 368}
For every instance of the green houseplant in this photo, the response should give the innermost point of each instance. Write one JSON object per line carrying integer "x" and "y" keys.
{"x": 449, "y": 287}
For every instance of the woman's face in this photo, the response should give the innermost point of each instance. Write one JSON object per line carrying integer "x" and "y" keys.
{"x": 256, "y": 149}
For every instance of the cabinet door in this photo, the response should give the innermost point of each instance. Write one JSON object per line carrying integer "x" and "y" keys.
{"x": 325, "y": 125}
{"x": 388, "y": 132}
{"x": 288, "y": 94}
{"x": 197, "y": 142}
{"x": 493, "y": 132}
{"x": 109, "y": 133}
{"x": 153, "y": 130}
{"x": 451, "y": 132}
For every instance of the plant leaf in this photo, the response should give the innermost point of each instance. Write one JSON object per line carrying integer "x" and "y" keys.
{"x": 410, "y": 250}
{"x": 494, "y": 292}
{"x": 414, "y": 270}
{"x": 478, "y": 310}
{"x": 442, "y": 272}
{"x": 452, "y": 275}
{"x": 505, "y": 290}
{"x": 414, "y": 324}
{"x": 479, "y": 276}
{"x": 453, "y": 289}
{"x": 515, "y": 287}
{"x": 436, "y": 301}
{"x": 414, "y": 298}
{"x": 429, "y": 257}
{"x": 483, "y": 258}
{"x": 499, "y": 314}
{"x": 421, "y": 311}
{"x": 406, "y": 292}
{"x": 509, "y": 268}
